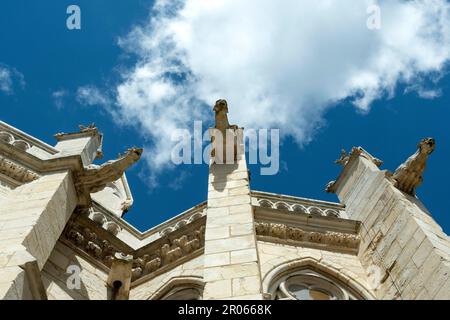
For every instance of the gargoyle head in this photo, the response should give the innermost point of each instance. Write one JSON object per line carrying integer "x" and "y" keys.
{"x": 221, "y": 106}
{"x": 135, "y": 153}
{"x": 427, "y": 145}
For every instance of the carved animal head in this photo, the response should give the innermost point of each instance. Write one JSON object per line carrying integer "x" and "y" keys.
{"x": 221, "y": 106}
{"x": 135, "y": 153}
{"x": 427, "y": 145}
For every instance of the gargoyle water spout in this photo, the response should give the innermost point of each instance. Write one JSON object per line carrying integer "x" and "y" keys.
{"x": 408, "y": 175}
{"x": 94, "y": 178}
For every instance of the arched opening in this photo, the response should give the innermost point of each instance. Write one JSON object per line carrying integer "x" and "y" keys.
{"x": 308, "y": 279}
{"x": 180, "y": 288}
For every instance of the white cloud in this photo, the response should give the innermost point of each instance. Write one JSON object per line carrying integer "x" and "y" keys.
{"x": 279, "y": 64}
{"x": 9, "y": 79}
{"x": 92, "y": 96}
{"x": 58, "y": 98}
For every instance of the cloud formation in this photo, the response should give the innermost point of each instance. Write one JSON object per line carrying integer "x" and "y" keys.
{"x": 278, "y": 65}
{"x": 10, "y": 78}
{"x": 91, "y": 96}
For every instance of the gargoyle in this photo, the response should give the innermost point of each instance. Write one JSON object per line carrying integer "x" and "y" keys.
{"x": 222, "y": 125}
{"x": 221, "y": 110}
{"x": 94, "y": 178}
{"x": 408, "y": 175}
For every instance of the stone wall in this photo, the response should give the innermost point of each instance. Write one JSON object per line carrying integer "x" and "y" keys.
{"x": 345, "y": 267}
{"x": 398, "y": 235}
{"x": 31, "y": 221}
{"x": 55, "y": 276}
{"x": 189, "y": 269}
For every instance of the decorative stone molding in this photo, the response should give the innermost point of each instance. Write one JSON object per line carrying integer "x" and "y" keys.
{"x": 169, "y": 252}
{"x": 17, "y": 171}
{"x": 150, "y": 259}
{"x": 21, "y": 140}
{"x": 103, "y": 221}
{"x": 15, "y": 141}
{"x": 88, "y": 241}
{"x": 181, "y": 223}
{"x": 285, "y": 232}
{"x": 297, "y": 207}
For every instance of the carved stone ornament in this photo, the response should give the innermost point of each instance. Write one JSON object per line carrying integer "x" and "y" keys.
{"x": 282, "y": 231}
{"x": 408, "y": 175}
{"x": 16, "y": 171}
{"x": 94, "y": 178}
{"x": 357, "y": 151}
{"x": 169, "y": 252}
{"x": 222, "y": 133}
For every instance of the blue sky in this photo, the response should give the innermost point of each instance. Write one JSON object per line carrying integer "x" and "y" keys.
{"x": 36, "y": 45}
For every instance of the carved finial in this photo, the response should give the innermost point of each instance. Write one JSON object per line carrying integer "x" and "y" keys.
{"x": 343, "y": 159}
{"x": 408, "y": 175}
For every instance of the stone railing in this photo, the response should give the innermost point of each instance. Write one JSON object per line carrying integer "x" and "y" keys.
{"x": 298, "y": 205}
{"x": 21, "y": 140}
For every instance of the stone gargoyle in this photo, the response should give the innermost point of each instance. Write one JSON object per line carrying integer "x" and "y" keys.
{"x": 408, "y": 175}
{"x": 222, "y": 125}
{"x": 94, "y": 178}
{"x": 221, "y": 110}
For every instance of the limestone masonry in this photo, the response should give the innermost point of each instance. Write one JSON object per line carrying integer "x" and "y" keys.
{"x": 62, "y": 235}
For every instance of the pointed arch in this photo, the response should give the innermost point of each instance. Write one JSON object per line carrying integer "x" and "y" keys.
{"x": 338, "y": 277}
{"x": 180, "y": 288}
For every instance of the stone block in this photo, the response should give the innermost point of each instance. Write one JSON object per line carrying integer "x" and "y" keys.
{"x": 243, "y": 256}
{"x": 231, "y": 271}
{"x": 231, "y": 244}
{"x": 218, "y": 289}
{"x": 217, "y": 233}
{"x": 246, "y": 286}
{"x": 217, "y": 259}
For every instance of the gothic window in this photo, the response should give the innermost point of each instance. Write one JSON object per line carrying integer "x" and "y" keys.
{"x": 183, "y": 293}
{"x": 180, "y": 288}
{"x": 310, "y": 285}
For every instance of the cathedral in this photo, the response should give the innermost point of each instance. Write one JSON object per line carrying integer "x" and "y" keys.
{"x": 62, "y": 235}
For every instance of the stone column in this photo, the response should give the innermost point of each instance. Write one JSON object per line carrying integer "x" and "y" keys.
{"x": 231, "y": 268}
{"x": 31, "y": 220}
{"x": 399, "y": 236}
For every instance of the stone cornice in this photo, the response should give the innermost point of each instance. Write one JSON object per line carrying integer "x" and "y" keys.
{"x": 297, "y": 205}
{"x": 99, "y": 245}
{"x": 313, "y": 222}
{"x": 16, "y": 171}
{"x": 326, "y": 240}
{"x": 281, "y": 197}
